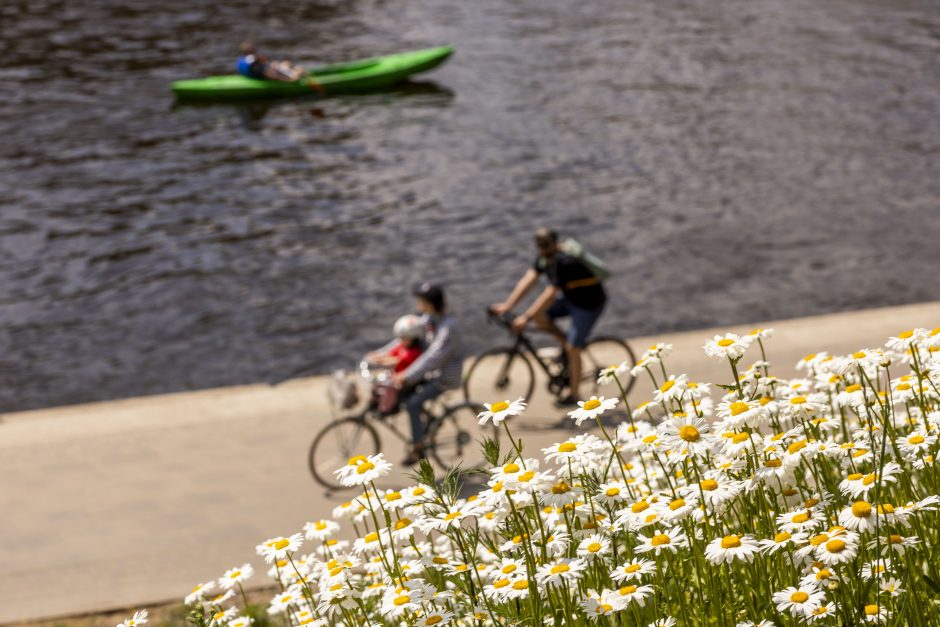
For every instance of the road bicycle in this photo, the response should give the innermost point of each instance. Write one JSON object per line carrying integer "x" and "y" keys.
{"x": 453, "y": 432}
{"x": 507, "y": 372}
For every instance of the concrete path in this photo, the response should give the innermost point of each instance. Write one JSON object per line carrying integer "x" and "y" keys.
{"x": 130, "y": 503}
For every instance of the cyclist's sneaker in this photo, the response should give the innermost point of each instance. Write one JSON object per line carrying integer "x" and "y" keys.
{"x": 414, "y": 456}
{"x": 566, "y": 401}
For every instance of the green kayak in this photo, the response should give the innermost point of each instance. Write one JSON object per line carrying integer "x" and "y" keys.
{"x": 339, "y": 78}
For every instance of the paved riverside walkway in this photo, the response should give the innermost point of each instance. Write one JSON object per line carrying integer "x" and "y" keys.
{"x": 131, "y": 502}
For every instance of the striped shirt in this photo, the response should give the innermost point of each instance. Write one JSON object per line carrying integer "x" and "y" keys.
{"x": 442, "y": 360}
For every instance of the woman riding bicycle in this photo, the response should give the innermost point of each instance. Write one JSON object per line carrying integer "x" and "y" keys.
{"x": 574, "y": 291}
{"x": 437, "y": 369}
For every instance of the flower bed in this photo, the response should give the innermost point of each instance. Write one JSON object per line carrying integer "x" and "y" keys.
{"x": 763, "y": 501}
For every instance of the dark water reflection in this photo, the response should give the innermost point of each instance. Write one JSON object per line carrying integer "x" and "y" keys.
{"x": 733, "y": 160}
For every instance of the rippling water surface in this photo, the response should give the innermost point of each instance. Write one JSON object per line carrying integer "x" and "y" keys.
{"x": 733, "y": 160}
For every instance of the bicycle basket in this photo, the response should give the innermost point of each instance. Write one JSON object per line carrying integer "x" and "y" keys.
{"x": 343, "y": 392}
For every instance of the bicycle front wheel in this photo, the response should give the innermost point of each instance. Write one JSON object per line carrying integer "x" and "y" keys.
{"x": 604, "y": 352}
{"x": 457, "y": 437}
{"x": 499, "y": 374}
{"x": 336, "y": 443}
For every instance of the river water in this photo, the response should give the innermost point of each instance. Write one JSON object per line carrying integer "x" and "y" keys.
{"x": 732, "y": 160}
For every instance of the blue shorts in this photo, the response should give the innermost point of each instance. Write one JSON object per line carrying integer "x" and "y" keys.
{"x": 582, "y": 320}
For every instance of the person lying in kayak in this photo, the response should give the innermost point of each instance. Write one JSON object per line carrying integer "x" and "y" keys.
{"x": 255, "y": 65}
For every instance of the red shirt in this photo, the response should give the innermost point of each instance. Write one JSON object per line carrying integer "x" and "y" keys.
{"x": 406, "y": 355}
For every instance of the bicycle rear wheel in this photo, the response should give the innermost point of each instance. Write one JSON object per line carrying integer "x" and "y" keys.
{"x": 603, "y": 352}
{"x": 457, "y": 436}
{"x": 336, "y": 443}
{"x": 499, "y": 374}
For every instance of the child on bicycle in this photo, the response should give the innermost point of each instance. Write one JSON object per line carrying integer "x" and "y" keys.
{"x": 398, "y": 355}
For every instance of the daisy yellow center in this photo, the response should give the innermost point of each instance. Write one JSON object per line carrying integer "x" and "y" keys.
{"x": 526, "y": 476}
{"x": 797, "y": 400}
{"x": 511, "y": 468}
{"x": 810, "y": 502}
{"x": 903, "y": 386}
{"x": 817, "y": 540}
{"x": 783, "y": 536}
{"x": 858, "y": 355}
{"x": 638, "y": 507}
{"x": 567, "y": 447}
{"x": 796, "y": 447}
{"x": 557, "y": 569}
{"x": 453, "y": 515}
{"x": 591, "y": 404}
{"x": 625, "y": 590}
{"x": 418, "y": 491}
{"x": 358, "y": 459}
{"x": 725, "y": 343}
{"x": 835, "y": 546}
{"x": 236, "y": 574}
{"x": 632, "y": 568}
{"x": 800, "y": 518}
{"x": 393, "y": 496}
{"x": 320, "y": 525}
{"x": 855, "y": 476}
{"x": 895, "y": 539}
{"x": 799, "y": 597}
{"x": 561, "y": 488}
{"x": 855, "y": 387}
{"x": 399, "y": 601}
{"x": 660, "y": 539}
{"x": 364, "y": 467}
{"x": 791, "y": 492}
{"x": 709, "y": 485}
{"x": 861, "y": 509}
{"x": 676, "y": 504}
{"x": 737, "y": 438}
{"x": 280, "y": 544}
{"x": 860, "y": 453}
{"x": 773, "y": 463}
{"x": 433, "y": 620}
{"x": 872, "y": 610}
{"x": 869, "y": 479}
{"x": 689, "y": 433}
{"x": 649, "y": 439}
{"x": 810, "y": 357}
{"x": 439, "y": 560}
{"x": 886, "y": 508}
{"x": 594, "y": 547}
{"x": 522, "y": 584}
{"x": 509, "y": 568}
{"x": 612, "y": 491}
{"x": 916, "y": 439}
{"x": 371, "y": 536}
{"x": 730, "y": 542}
{"x": 905, "y": 335}
{"x": 738, "y": 407}
{"x": 824, "y": 573}
{"x": 498, "y": 407}
{"x": 665, "y": 387}
{"x": 217, "y": 616}
{"x": 401, "y": 524}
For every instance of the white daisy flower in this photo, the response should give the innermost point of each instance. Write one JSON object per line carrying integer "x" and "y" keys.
{"x": 139, "y": 618}
{"x": 278, "y": 548}
{"x": 198, "y": 593}
{"x": 235, "y": 576}
{"x": 633, "y": 594}
{"x": 670, "y": 539}
{"x": 592, "y": 408}
{"x": 731, "y": 547}
{"x": 799, "y": 601}
{"x": 634, "y": 569}
{"x": 498, "y": 412}
{"x": 875, "y": 613}
{"x": 361, "y": 470}
{"x": 594, "y": 546}
{"x": 727, "y": 346}
{"x": 560, "y": 570}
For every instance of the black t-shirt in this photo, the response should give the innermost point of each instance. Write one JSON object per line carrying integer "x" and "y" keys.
{"x": 577, "y": 282}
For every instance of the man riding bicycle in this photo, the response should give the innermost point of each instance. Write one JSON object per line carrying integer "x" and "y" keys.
{"x": 574, "y": 291}
{"x": 437, "y": 369}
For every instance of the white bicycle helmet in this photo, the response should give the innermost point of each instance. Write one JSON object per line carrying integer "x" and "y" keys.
{"x": 410, "y": 327}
